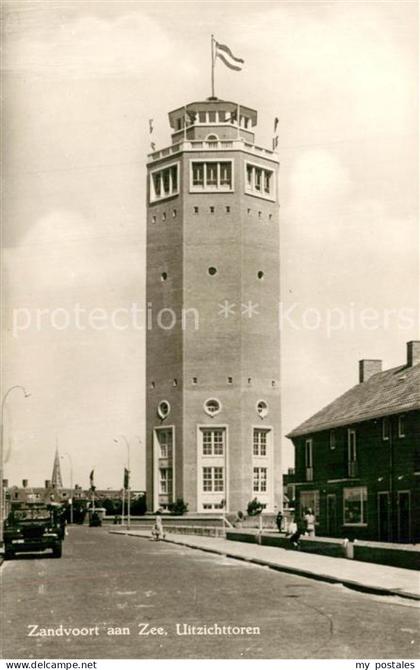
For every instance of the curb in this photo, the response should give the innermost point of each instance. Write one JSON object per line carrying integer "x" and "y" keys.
{"x": 301, "y": 572}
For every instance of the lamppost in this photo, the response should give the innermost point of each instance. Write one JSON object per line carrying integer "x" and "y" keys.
{"x": 3, "y": 403}
{"x": 127, "y": 444}
{"x": 71, "y": 484}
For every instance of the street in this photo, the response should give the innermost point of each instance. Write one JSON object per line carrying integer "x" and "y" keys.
{"x": 116, "y": 596}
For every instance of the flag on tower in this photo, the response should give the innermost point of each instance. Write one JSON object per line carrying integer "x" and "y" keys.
{"x": 223, "y": 52}
{"x": 276, "y": 123}
{"x": 150, "y": 125}
{"x": 126, "y": 478}
{"x": 91, "y": 479}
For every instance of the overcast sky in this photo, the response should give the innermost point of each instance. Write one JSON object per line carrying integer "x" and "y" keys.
{"x": 80, "y": 81}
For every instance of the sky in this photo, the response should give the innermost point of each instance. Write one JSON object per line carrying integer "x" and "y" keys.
{"x": 80, "y": 81}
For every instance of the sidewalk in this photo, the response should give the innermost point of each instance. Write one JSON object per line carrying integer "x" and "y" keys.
{"x": 367, "y": 577}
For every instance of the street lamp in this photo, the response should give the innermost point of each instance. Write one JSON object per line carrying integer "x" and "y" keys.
{"x": 127, "y": 444}
{"x": 71, "y": 484}
{"x": 3, "y": 403}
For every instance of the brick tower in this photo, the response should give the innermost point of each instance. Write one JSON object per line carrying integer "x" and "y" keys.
{"x": 213, "y": 346}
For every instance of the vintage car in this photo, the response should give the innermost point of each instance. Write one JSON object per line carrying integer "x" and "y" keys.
{"x": 32, "y": 527}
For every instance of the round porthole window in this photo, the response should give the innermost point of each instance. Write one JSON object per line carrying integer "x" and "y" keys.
{"x": 164, "y": 409}
{"x": 262, "y": 408}
{"x": 212, "y": 271}
{"x": 260, "y": 274}
{"x": 212, "y": 406}
{"x": 164, "y": 276}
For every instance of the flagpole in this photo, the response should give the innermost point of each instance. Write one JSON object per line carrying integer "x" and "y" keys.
{"x": 128, "y": 487}
{"x": 238, "y": 120}
{"x": 122, "y": 506}
{"x": 212, "y": 66}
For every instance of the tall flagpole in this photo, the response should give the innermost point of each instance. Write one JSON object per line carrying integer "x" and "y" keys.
{"x": 212, "y": 66}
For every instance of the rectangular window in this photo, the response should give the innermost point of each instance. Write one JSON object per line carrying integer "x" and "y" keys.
{"x": 213, "y": 480}
{"x": 212, "y": 117}
{"x": 249, "y": 172}
{"x": 165, "y": 480}
{"x": 258, "y": 178}
{"x": 207, "y": 479}
{"x": 259, "y": 181}
{"x": 198, "y": 174}
{"x": 260, "y": 442}
{"x": 401, "y": 426}
{"x": 164, "y": 183}
{"x": 260, "y": 480}
{"x": 226, "y": 174}
{"x": 222, "y": 117}
{"x": 385, "y": 428}
{"x": 213, "y": 441}
{"x": 202, "y": 117}
{"x": 355, "y": 506}
{"x": 165, "y": 443}
{"x": 308, "y": 453}
{"x": 211, "y": 176}
{"x": 352, "y": 446}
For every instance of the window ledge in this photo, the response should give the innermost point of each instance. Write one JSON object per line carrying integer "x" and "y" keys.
{"x": 355, "y": 525}
{"x": 261, "y": 196}
{"x": 155, "y": 201}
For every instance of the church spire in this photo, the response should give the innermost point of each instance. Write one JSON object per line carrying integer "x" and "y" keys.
{"x": 56, "y": 478}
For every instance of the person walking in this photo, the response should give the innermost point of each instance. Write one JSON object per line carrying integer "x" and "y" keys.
{"x": 295, "y": 531}
{"x": 279, "y": 520}
{"x": 309, "y": 519}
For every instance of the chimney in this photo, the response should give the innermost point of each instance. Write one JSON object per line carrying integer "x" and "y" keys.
{"x": 368, "y": 368}
{"x": 24, "y": 483}
{"x": 47, "y": 484}
{"x": 413, "y": 353}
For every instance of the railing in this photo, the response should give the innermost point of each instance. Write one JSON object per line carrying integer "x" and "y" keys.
{"x": 200, "y": 145}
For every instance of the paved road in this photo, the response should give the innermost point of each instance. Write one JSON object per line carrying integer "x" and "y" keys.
{"x": 108, "y": 583}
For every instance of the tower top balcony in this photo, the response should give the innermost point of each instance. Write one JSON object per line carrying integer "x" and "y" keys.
{"x": 213, "y": 119}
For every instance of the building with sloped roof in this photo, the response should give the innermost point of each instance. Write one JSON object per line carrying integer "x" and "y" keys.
{"x": 357, "y": 460}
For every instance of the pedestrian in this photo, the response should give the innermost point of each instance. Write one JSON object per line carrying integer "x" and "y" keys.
{"x": 309, "y": 519}
{"x": 279, "y": 520}
{"x": 157, "y": 530}
{"x": 295, "y": 532}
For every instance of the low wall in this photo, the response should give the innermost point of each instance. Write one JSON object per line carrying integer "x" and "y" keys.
{"x": 170, "y": 520}
{"x": 196, "y": 530}
{"x": 397, "y": 555}
{"x": 382, "y": 553}
{"x": 325, "y": 546}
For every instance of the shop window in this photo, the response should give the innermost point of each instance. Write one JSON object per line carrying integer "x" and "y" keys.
{"x": 355, "y": 506}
